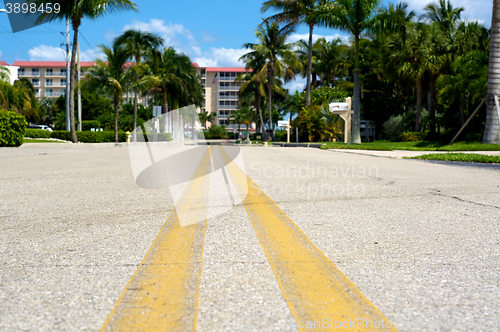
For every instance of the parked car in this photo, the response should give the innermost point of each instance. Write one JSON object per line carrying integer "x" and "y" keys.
{"x": 41, "y": 127}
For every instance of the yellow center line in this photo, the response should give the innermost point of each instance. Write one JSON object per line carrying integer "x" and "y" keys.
{"x": 162, "y": 295}
{"x": 317, "y": 292}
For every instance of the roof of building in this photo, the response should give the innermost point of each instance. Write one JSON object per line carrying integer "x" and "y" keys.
{"x": 229, "y": 69}
{"x": 3, "y": 63}
{"x": 61, "y": 64}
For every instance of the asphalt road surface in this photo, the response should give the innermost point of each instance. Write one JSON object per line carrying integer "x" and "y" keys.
{"x": 278, "y": 239}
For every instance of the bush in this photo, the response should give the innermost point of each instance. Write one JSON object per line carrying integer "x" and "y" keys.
{"x": 90, "y": 136}
{"x": 37, "y": 133}
{"x": 12, "y": 128}
{"x": 89, "y": 124}
{"x": 280, "y": 135}
{"x": 412, "y": 137}
{"x": 393, "y": 127}
{"x": 218, "y": 132}
{"x": 256, "y": 136}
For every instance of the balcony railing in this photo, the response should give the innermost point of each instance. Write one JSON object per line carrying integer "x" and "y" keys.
{"x": 53, "y": 94}
{"x": 36, "y": 83}
{"x": 228, "y": 98}
{"x": 60, "y": 74}
{"x": 230, "y": 88}
{"x": 228, "y": 107}
{"x": 30, "y": 74}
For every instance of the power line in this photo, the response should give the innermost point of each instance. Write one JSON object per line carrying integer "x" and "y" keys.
{"x": 90, "y": 47}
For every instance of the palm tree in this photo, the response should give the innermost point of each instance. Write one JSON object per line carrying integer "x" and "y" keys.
{"x": 280, "y": 59}
{"x": 333, "y": 59}
{"x": 174, "y": 76}
{"x": 492, "y": 129}
{"x": 412, "y": 59}
{"x": 110, "y": 76}
{"x": 4, "y": 74}
{"x": 444, "y": 15}
{"x": 303, "y": 54}
{"x": 141, "y": 44}
{"x": 20, "y": 97}
{"x": 76, "y": 11}
{"x": 237, "y": 117}
{"x": 295, "y": 12}
{"x": 355, "y": 17}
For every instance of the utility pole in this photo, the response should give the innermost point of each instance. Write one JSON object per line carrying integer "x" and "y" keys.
{"x": 68, "y": 82}
{"x": 79, "y": 69}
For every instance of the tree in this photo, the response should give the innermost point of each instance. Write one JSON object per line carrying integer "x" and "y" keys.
{"x": 279, "y": 57}
{"x": 110, "y": 76}
{"x": 295, "y": 12}
{"x": 21, "y": 98}
{"x": 237, "y": 117}
{"x": 444, "y": 15}
{"x": 492, "y": 129}
{"x": 4, "y": 74}
{"x": 355, "y": 17}
{"x": 76, "y": 11}
{"x": 140, "y": 44}
{"x": 174, "y": 76}
{"x": 333, "y": 59}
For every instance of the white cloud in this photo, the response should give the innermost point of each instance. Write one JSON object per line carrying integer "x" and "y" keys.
{"x": 46, "y": 53}
{"x": 297, "y": 85}
{"x": 175, "y": 35}
{"x": 110, "y": 36}
{"x": 222, "y": 57}
{"x": 207, "y": 37}
{"x": 50, "y": 53}
{"x": 475, "y": 10}
{"x": 295, "y": 37}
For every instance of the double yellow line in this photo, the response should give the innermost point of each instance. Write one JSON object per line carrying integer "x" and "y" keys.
{"x": 163, "y": 293}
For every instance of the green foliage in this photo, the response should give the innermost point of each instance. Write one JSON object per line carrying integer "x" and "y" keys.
{"x": 394, "y": 127}
{"x": 281, "y": 135}
{"x": 36, "y": 133}
{"x": 412, "y": 136}
{"x": 90, "y": 136}
{"x": 87, "y": 125}
{"x": 21, "y": 98}
{"x": 315, "y": 126}
{"x": 12, "y": 128}
{"x": 415, "y": 146}
{"x": 462, "y": 157}
{"x": 326, "y": 95}
{"x": 215, "y": 132}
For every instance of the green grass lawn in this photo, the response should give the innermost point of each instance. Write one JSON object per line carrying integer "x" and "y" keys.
{"x": 39, "y": 141}
{"x": 465, "y": 157}
{"x": 415, "y": 146}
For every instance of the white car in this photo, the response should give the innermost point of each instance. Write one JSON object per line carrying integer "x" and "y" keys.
{"x": 41, "y": 127}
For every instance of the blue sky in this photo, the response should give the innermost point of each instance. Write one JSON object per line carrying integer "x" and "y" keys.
{"x": 210, "y": 32}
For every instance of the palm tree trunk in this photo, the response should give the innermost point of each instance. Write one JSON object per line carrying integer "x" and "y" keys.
{"x": 432, "y": 106}
{"x": 309, "y": 66}
{"x": 419, "y": 104}
{"x": 248, "y": 134}
{"x": 262, "y": 128}
{"x": 116, "y": 101}
{"x": 356, "y": 103}
{"x": 270, "y": 81}
{"x": 492, "y": 128}
{"x": 76, "y": 25}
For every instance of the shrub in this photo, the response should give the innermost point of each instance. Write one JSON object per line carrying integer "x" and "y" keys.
{"x": 89, "y": 124}
{"x": 12, "y": 128}
{"x": 90, "y": 136}
{"x": 280, "y": 135}
{"x": 393, "y": 127}
{"x": 218, "y": 132}
{"x": 36, "y": 133}
{"x": 256, "y": 136}
{"x": 411, "y": 137}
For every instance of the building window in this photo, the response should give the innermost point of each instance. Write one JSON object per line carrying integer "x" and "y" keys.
{"x": 35, "y": 82}
{"x": 20, "y": 72}
{"x": 63, "y": 92}
{"x": 49, "y": 72}
{"x": 49, "y": 93}
{"x": 49, "y": 82}
{"x": 35, "y": 72}
{"x": 63, "y": 82}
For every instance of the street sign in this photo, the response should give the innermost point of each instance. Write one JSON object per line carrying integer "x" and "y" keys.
{"x": 283, "y": 123}
{"x": 156, "y": 111}
{"x": 339, "y": 107}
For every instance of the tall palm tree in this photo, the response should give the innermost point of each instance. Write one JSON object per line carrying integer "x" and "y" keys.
{"x": 444, "y": 15}
{"x": 280, "y": 59}
{"x": 141, "y": 44}
{"x": 76, "y": 11}
{"x": 412, "y": 59}
{"x": 110, "y": 76}
{"x": 303, "y": 54}
{"x": 295, "y": 12}
{"x": 492, "y": 129}
{"x": 355, "y": 17}
{"x": 237, "y": 117}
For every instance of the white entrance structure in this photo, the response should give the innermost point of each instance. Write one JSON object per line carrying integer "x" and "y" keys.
{"x": 345, "y": 112}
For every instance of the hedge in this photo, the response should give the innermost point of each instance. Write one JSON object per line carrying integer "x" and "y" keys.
{"x": 37, "y": 133}
{"x": 12, "y": 127}
{"x": 412, "y": 137}
{"x": 89, "y": 124}
{"x": 90, "y": 136}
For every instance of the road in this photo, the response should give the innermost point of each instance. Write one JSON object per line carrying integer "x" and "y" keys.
{"x": 315, "y": 236}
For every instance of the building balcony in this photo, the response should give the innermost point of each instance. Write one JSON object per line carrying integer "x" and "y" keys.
{"x": 37, "y": 84}
{"x": 53, "y": 94}
{"x": 31, "y": 74}
{"x": 59, "y": 74}
{"x": 57, "y": 85}
{"x": 229, "y": 88}
{"x": 228, "y": 97}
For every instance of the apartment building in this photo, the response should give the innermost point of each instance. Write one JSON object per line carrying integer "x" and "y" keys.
{"x": 221, "y": 92}
{"x": 48, "y": 77}
{"x": 220, "y": 85}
